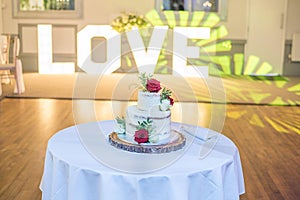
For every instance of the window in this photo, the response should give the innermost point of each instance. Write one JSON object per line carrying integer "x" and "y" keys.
{"x": 34, "y": 5}
{"x": 216, "y": 6}
{"x": 47, "y": 8}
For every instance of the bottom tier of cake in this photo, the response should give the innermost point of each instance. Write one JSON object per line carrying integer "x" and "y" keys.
{"x": 161, "y": 121}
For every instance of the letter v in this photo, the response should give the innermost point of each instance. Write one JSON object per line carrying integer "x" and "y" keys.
{"x": 146, "y": 59}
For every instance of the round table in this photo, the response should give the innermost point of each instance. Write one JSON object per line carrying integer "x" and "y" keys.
{"x": 72, "y": 171}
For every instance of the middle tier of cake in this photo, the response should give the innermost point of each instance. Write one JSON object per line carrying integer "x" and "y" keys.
{"x": 161, "y": 121}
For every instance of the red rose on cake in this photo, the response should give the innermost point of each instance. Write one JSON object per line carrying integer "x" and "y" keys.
{"x": 141, "y": 136}
{"x": 171, "y": 100}
{"x": 153, "y": 85}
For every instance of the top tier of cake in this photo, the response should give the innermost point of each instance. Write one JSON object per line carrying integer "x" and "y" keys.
{"x": 147, "y": 100}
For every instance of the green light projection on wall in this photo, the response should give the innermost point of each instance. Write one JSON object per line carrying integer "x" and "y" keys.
{"x": 184, "y": 17}
{"x": 170, "y": 17}
{"x": 215, "y": 52}
{"x": 209, "y": 47}
{"x": 224, "y": 64}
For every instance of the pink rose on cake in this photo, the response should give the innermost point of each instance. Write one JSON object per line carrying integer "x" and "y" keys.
{"x": 153, "y": 85}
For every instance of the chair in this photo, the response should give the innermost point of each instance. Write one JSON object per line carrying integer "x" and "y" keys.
{"x": 9, "y": 60}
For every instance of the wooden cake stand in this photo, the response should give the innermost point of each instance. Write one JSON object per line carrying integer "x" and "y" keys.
{"x": 177, "y": 142}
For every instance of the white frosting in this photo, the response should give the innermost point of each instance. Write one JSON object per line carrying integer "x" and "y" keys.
{"x": 161, "y": 121}
{"x": 147, "y": 100}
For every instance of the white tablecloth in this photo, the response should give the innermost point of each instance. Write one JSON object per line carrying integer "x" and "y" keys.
{"x": 73, "y": 171}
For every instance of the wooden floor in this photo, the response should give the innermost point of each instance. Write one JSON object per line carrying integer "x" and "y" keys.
{"x": 268, "y": 138}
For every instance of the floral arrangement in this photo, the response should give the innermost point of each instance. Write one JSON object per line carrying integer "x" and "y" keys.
{"x": 143, "y": 132}
{"x": 149, "y": 84}
{"x": 127, "y": 21}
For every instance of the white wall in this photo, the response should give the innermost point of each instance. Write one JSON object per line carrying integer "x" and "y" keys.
{"x": 94, "y": 12}
{"x": 236, "y": 22}
{"x": 102, "y": 12}
{"x": 1, "y": 21}
{"x": 293, "y": 17}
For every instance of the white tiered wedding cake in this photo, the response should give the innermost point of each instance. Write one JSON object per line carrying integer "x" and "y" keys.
{"x": 150, "y": 120}
{"x": 146, "y": 128}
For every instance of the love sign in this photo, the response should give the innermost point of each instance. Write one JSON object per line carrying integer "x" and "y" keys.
{"x": 146, "y": 57}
